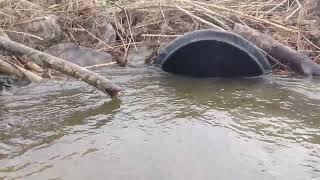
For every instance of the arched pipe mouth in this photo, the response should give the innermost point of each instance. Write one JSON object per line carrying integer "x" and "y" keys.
{"x": 209, "y": 53}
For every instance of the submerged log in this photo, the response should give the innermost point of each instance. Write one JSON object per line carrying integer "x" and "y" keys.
{"x": 297, "y": 61}
{"x": 73, "y": 70}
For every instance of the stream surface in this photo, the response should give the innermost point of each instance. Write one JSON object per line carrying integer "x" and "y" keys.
{"x": 165, "y": 127}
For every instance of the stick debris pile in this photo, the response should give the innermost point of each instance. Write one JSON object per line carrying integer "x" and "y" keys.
{"x": 293, "y": 23}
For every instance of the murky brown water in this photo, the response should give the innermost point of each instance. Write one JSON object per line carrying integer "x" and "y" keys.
{"x": 165, "y": 127}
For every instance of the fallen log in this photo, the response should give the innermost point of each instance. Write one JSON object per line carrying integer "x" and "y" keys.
{"x": 65, "y": 67}
{"x": 297, "y": 61}
{"x": 30, "y": 75}
{"x": 30, "y": 65}
{"x": 10, "y": 69}
{"x": 16, "y": 70}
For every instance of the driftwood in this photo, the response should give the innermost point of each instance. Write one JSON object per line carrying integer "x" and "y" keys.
{"x": 10, "y": 69}
{"x": 30, "y": 65}
{"x": 297, "y": 61}
{"x": 30, "y": 75}
{"x": 18, "y": 71}
{"x": 73, "y": 70}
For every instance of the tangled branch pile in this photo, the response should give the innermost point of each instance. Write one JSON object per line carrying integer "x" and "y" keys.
{"x": 295, "y": 23}
{"x": 292, "y": 22}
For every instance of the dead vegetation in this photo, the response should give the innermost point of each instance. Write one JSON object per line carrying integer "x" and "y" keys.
{"x": 294, "y": 23}
{"x": 153, "y": 23}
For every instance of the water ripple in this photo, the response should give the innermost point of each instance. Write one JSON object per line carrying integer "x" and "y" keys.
{"x": 173, "y": 127}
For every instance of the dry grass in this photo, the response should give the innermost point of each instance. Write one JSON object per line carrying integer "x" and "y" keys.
{"x": 152, "y": 22}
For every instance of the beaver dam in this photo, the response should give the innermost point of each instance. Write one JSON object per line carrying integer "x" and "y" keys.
{"x": 170, "y": 116}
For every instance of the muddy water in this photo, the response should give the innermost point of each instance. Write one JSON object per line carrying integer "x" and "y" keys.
{"x": 165, "y": 127}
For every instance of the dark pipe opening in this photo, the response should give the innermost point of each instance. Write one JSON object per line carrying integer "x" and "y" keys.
{"x": 209, "y": 53}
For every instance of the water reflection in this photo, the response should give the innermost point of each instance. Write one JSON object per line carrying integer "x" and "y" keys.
{"x": 259, "y": 105}
{"x": 80, "y": 117}
{"x": 165, "y": 127}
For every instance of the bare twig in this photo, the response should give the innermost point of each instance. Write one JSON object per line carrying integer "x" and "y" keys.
{"x": 274, "y": 8}
{"x": 24, "y": 33}
{"x": 101, "y": 65}
{"x": 218, "y": 22}
{"x": 249, "y": 17}
{"x": 161, "y": 35}
{"x": 200, "y": 19}
{"x": 296, "y": 10}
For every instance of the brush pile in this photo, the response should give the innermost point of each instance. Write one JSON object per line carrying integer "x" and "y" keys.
{"x": 293, "y": 23}
{"x": 152, "y": 23}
